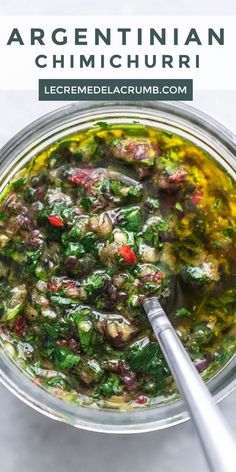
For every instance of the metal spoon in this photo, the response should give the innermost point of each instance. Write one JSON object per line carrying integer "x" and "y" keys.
{"x": 217, "y": 441}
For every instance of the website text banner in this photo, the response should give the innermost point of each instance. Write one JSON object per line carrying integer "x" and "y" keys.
{"x": 195, "y": 48}
{"x": 115, "y": 89}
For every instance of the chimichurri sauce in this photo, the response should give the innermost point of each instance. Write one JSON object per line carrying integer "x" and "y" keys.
{"x": 88, "y": 229}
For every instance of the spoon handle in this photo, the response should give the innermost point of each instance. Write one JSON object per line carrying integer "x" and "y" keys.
{"x": 215, "y": 436}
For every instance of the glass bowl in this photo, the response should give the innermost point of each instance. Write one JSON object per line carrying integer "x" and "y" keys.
{"x": 175, "y": 117}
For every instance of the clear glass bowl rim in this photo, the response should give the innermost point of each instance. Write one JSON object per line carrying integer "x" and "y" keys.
{"x": 186, "y": 118}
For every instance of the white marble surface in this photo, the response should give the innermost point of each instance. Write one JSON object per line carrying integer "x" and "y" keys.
{"x": 28, "y": 440}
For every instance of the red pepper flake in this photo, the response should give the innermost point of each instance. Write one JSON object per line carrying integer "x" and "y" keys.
{"x": 196, "y": 197}
{"x": 55, "y": 220}
{"x": 69, "y": 284}
{"x": 128, "y": 254}
{"x": 141, "y": 400}
{"x": 131, "y": 147}
{"x": 52, "y": 287}
{"x": 158, "y": 276}
{"x": 178, "y": 176}
{"x": 80, "y": 175}
{"x": 19, "y": 326}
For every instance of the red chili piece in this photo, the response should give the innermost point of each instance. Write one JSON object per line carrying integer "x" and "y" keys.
{"x": 141, "y": 400}
{"x": 19, "y": 326}
{"x": 80, "y": 175}
{"x": 55, "y": 220}
{"x": 128, "y": 254}
{"x": 158, "y": 276}
{"x": 69, "y": 284}
{"x": 52, "y": 287}
{"x": 177, "y": 177}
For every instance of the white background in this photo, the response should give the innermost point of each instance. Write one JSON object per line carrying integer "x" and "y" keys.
{"x": 216, "y": 70}
{"x": 29, "y": 441}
